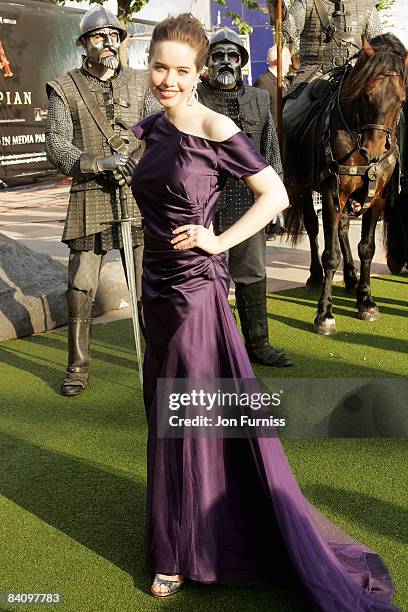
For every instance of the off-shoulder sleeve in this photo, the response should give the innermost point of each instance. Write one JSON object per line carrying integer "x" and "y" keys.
{"x": 237, "y": 157}
{"x": 142, "y": 128}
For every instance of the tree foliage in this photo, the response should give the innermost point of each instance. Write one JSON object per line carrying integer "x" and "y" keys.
{"x": 243, "y": 26}
{"x": 384, "y": 5}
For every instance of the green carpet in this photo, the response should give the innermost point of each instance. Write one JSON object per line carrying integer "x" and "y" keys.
{"x": 72, "y": 470}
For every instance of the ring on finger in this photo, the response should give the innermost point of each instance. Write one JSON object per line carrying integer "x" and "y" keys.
{"x": 189, "y": 232}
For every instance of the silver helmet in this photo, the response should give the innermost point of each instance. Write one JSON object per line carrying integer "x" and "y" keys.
{"x": 101, "y": 36}
{"x": 226, "y": 35}
{"x": 99, "y": 17}
{"x": 226, "y": 57}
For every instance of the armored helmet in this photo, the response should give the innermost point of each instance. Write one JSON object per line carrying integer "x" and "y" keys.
{"x": 99, "y": 17}
{"x": 227, "y": 35}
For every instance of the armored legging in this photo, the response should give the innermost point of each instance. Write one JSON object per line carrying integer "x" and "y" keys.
{"x": 84, "y": 269}
{"x": 246, "y": 261}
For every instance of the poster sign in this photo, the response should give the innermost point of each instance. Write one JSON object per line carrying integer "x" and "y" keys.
{"x": 37, "y": 44}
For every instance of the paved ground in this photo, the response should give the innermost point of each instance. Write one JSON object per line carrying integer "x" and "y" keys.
{"x": 35, "y": 215}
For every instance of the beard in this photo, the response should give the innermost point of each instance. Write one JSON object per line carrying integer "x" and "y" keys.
{"x": 112, "y": 62}
{"x": 225, "y": 77}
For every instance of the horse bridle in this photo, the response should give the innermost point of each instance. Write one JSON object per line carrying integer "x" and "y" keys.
{"x": 377, "y": 126}
{"x": 368, "y": 126}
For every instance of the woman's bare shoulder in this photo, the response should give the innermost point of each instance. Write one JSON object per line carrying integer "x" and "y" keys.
{"x": 219, "y": 127}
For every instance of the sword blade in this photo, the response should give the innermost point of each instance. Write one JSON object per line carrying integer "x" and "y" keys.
{"x": 126, "y": 228}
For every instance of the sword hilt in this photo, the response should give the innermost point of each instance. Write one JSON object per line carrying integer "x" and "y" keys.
{"x": 124, "y": 213}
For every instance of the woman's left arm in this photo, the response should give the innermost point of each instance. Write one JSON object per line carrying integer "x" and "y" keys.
{"x": 270, "y": 199}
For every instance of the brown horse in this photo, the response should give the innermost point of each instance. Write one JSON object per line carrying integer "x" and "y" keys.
{"x": 357, "y": 156}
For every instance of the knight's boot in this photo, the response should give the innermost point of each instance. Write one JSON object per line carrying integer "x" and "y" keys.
{"x": 251, "y": 304}
{"x": 79, "y": 338}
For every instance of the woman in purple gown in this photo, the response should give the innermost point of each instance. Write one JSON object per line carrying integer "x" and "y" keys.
{"x": 219, "y": 510}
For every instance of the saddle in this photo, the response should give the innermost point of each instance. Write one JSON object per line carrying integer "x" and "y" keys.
{"x": 304, "y": 116}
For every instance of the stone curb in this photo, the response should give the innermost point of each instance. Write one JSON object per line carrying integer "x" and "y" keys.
{"x": 33, "y": 286}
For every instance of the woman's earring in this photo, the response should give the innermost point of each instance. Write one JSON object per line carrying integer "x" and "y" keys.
{"x": 193, "y": 97}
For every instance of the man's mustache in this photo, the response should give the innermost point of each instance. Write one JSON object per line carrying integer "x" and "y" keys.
{"x": 111, "y": 49}
{"x": 226, "y": 68}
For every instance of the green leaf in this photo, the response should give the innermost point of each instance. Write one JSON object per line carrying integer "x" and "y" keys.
{"x": 243, "y": 27}
{"x": 384, "y": 5}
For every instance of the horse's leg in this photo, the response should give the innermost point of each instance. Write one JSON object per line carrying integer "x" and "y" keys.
{"x": 349, "y": 271}
{"x": 311, "y": 223}
{"x": 324, "y": 322}
{"x": 367, "y": 308}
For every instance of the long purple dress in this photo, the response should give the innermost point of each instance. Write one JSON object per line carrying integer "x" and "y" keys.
{"x": 222, "y": 510}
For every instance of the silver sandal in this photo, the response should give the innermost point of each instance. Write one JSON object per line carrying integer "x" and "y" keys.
{"x": 172, "y": 585}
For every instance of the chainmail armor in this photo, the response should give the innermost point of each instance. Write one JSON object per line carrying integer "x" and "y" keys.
{"x": 151, "y": 105}
{"x": 60, "y": 129}
{"x": 236, "y": 197}
{"x": 58, "y": 146}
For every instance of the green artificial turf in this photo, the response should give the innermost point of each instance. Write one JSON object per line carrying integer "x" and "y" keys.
{"x": 72, "y": 470}
{"x": 359, "y": 349}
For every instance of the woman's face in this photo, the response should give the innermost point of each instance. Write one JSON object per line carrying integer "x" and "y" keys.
{"x": 173, "y": 72}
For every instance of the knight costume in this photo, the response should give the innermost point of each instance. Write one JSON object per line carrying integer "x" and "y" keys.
{"x": 249, "y": 107}
{"x": 88, "y": 138}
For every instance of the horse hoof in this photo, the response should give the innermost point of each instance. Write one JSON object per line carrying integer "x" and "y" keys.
{"x": 325, "y": 328}
{"x": 370, "y": 314}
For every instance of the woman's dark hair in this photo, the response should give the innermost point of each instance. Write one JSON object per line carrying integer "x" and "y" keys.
{"x": 185, "y": 29}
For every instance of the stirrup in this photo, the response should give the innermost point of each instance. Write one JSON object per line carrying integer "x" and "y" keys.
{"x": 173, "y": 586}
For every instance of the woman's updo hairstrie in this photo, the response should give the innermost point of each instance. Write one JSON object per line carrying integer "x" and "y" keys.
{"x": 185, "y": 29}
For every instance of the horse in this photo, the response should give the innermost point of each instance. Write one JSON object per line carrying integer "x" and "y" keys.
{"x": 356, "y": 165}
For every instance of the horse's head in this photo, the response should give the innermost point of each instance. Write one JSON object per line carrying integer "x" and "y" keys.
{"x": 377, "y": 84}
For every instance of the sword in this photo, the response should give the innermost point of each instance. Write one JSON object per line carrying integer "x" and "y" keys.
{"x": 125, "y": 223}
